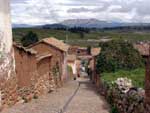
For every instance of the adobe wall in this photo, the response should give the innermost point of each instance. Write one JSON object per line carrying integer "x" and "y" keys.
{"x": 34, "y": 79}
{"x": 57, "y": 57}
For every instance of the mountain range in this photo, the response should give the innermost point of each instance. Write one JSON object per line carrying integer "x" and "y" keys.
{"x": 88, "y": 23}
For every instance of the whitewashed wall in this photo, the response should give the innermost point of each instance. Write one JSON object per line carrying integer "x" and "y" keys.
{"x": 6, "y": 58}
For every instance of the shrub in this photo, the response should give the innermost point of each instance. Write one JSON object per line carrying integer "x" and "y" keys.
{"x": 29, "y": 38}
{"x": 117, "y": 55}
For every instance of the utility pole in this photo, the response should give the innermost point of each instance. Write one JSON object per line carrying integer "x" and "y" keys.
{"x": 6, "y": 53}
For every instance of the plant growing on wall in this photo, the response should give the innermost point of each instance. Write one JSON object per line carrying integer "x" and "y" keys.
{"x": 56, "y": 72}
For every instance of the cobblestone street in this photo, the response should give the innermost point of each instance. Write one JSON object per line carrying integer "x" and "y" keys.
{"x": 72, "y": 98}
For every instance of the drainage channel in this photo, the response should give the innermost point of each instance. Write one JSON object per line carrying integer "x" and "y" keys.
{"x": 69, "y": 100}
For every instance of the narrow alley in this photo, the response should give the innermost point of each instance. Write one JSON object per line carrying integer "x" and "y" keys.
{"x": 75, "y": 97}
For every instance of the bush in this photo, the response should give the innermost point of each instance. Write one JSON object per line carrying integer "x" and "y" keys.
{"x": 137, "y": 76}
{"x": 116, "y": 55}
{"x": 29, "y": 39}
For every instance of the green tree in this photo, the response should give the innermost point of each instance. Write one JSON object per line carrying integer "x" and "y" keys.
{"x": 117, "y": 55}
{"x": 81, "y": 34}
{"x": 29, "y": 38}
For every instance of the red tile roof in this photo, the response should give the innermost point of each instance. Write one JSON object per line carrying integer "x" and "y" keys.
{"x": 95, "y": 51}
{"x": 56, "y": 43}
{"x": 27, "y": 50}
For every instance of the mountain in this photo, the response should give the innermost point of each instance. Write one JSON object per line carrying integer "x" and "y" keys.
{"x": 22, "y": 26}
{"x": 94, "y": 23}
{"x": 90, "y": 23}
{"x": 54, "y": 26}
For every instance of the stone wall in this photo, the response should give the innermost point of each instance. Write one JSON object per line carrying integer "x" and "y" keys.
{"x": 133, "y": 101}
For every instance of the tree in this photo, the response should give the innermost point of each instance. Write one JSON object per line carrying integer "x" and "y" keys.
{"x": 81, "y": 34}
{"x": 29, "y": 38}
{"x": 116, "y": 55}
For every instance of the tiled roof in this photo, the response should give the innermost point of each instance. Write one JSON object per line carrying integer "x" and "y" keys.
{"x": 143, "y": 48}
{"x": 56, "y": 43}
{"x": 95, "y": 51}
{"x": 30, "y": 50}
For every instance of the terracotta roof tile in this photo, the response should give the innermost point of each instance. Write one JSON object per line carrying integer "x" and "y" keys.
{"x": 27, "y": 50}
{"x": 56, "y": 43}
{"x": 95, "y": 51}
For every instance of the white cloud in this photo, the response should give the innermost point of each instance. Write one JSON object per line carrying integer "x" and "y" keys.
{"x": 51, "y": 11}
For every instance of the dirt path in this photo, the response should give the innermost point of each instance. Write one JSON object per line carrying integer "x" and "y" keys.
{"x": 72, "y": 98}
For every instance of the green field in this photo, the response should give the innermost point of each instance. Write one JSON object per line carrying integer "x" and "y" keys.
{"x": 75, "y": 38}
{"x": 137, "y": 76}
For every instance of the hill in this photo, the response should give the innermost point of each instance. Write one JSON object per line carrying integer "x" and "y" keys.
{"x": 86, "y": 23}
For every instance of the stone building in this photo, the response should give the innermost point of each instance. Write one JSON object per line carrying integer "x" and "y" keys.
{"x": 58, "y": 50}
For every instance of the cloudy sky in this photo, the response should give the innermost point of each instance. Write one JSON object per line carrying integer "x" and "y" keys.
{"x": 52, "y": 11}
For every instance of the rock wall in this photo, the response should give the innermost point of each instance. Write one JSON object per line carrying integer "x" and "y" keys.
{"x": 133, "y": 101}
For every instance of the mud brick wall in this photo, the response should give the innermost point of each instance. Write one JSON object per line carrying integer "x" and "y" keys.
{"x": 33, "y": 78}
{"x": 57, "y": 56}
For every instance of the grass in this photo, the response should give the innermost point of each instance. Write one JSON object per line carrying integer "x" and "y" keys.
{"x": 137, "y": 76}
{"x": 74, "y": 38}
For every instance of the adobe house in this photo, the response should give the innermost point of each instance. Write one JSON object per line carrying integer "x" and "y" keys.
{"x": 72, "y": 62}
{"x": 59, "y": 51}
{"x": 33, "y": 72}
{"x": 83, "y": 54}
{"x": 77, "y": 50}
